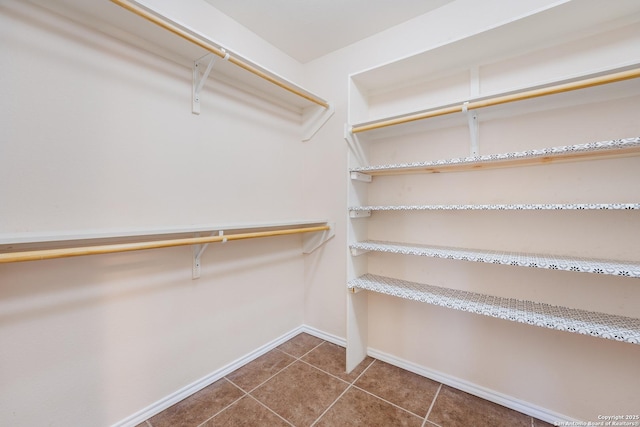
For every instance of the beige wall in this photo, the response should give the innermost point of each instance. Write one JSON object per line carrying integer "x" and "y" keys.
{"x": 98, "y": 135}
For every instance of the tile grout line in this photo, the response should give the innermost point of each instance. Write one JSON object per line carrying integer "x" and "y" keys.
{"x": 386, "y": 401}
{"x": 248, "y": 393}
{"x": 330, "y": 374}
{"x": 433, "y": 402}
{"x": 271, "y": 410}
{"x": 226, "y": 407}
{"x": 298, "y": 358}
{"x": 268, "y": 379}
{"x": 331, "y": 406}
{"x": 341, "y": 394}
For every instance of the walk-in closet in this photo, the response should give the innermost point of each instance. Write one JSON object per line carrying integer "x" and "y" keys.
{"x": 283, "y": 213}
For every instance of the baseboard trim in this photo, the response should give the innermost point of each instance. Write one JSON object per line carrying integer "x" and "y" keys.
{"x": 334, "y": 339}
{"x": 474, "y": 389}
{"x": 173, "y": 398}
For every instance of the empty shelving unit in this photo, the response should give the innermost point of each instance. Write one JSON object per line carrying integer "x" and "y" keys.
{"x": 468, "y": 171}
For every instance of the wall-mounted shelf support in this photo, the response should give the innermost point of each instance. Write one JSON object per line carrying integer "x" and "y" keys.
{"x": 354, "y": 145}
{"x": 472, "y": 119}
{"x": 362, "y": 177}
{"x": 198, "y": 250}
{"x": 359, "y": 214}
{"x": 200, "y": 79}
{"x": 358, "y": 251}
{"x": 313, "y": 118}
{"x": 312, "y": 241}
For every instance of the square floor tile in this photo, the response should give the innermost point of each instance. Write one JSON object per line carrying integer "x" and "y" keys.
{"x": 246, "y": 412}
{"x": 332, "y": 358}
{"x": 357, "y": 408}
{"x": 259, "y": 370}
{"x": 400, "y": 387}
{"x": 198, "y": 407}
{"x": 455, "y": 408}
{"x": 300, "y": 344}
{"x": 300, "y": 393}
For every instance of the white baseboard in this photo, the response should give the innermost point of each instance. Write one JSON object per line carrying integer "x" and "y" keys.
{"x": 334, "y": 339}
{"x": 173, "y": 398}
{"x": 474, "y": 389}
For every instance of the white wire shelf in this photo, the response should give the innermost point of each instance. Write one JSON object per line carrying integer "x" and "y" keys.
{"x": 593, "y": 150}
{"x": 550, "y": 262}
{"x": 528, "y": 206}
{"x": 601, "y": 325}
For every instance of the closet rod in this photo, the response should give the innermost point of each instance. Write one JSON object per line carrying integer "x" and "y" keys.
{"x": 167, "y": 25}
{"x": 503, "y": 99}
{"x": 42, "y": 254}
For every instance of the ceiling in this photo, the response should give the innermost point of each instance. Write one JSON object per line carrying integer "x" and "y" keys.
{"x": 308, "y": 29}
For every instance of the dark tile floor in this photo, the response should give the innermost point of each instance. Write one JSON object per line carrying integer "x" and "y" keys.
{"x": 302, "y": 383}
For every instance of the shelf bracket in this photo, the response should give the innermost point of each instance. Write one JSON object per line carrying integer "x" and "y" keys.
{"x": 198, "y": 250}
{"x": 362, "y": 177}
{"x": 354, "y": 145}
{"x": 312, "y": 241}
{"x": 359, "y": 214}
{"x": 313, "y": 118}
{"x": 472, "y": 119}
{"x": 358, "y": 252}
{"x": 199, "y": 80}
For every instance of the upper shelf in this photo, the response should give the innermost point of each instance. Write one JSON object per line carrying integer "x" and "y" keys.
{"x": 19, "y": 241}
{"x": 593, "y": 150}
{"x": 498, "y": 99}
{"x": 181, "y": 44}
{"x": 360, "y": 211}
{"x": 511, "y": 57}
{"x": 215, "y": 48}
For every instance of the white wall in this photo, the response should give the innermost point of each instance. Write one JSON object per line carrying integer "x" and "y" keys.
{"x": 557, "y": 373}
{"x": 98, "y": 135}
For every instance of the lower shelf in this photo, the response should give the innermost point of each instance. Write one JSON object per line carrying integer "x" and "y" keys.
{"x": 551, "y": 262}
{"x": 584, "y": 322}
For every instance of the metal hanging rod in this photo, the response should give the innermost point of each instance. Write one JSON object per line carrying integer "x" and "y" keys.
{"x": 503, "y": 99}
{"x": 43, "y": 254}
{"x": 222, "y": 53}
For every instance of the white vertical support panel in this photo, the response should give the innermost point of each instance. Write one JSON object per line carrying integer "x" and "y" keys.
{"x": 357, "y": 328}
{"x": 472, "y": 116}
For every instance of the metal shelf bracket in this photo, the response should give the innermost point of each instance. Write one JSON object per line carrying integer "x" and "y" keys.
{"x": 472, "y": 119}
{"x": 200, "y": 79}
{"x": 358, "y": 252}
{"x": 359, "y": 176}
{"x": 359, "y": 214}
{"x": 198, "y": 250}
{"x": 312, "y": 241}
